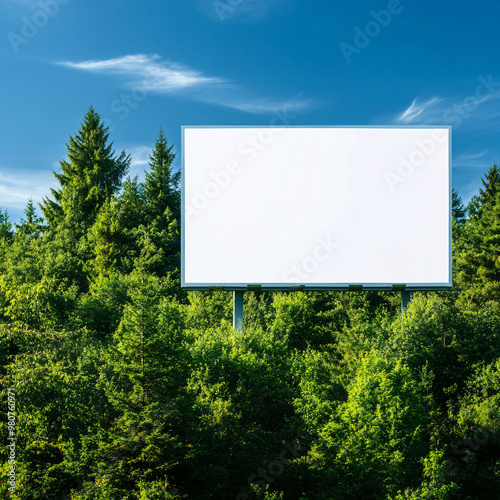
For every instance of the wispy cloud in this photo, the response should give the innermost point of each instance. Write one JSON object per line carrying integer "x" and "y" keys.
{"x": 264, "y": 106}
{"x": 479, "y": 110}
{"x": 243, "y": 10}
{"x": 140, "y": 160}
{"x": 469, "y": 190}
{"x": 260, "y": 105}
{"x": 149, "y": 73}
{"x": 488, "y": 118}
{"x": 470, "y": 160}
{"x": 16, "y": 189}
{"x": 421, "y": 111}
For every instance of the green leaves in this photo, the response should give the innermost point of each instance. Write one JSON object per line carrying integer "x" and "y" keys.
{"x": 129, "y": 387}
{"x": 91, "y": 175}
{"x": 478, "y": 260}
{"x": 379, "y": 431}
{"x": 5, "y": 227}
{"x": 161, "y": 186}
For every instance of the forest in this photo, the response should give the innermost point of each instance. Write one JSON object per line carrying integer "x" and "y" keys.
{"x": 117, "y": 383}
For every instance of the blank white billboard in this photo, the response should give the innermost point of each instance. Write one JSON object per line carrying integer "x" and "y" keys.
{"x": 316, "y": 207}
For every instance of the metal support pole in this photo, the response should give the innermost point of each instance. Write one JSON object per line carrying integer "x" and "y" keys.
{"x": 406, "y": 298}
{"x": 238, "y": 310}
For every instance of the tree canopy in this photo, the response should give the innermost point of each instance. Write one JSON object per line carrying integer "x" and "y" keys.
{"x": 128, "y": 387}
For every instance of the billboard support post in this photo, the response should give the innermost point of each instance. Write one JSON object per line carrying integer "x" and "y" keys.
{"x": 238, "y": 310}
{"x": 406, "y": 298}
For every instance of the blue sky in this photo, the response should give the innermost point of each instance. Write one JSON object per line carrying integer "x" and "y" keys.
{"x": 151, "y": 63}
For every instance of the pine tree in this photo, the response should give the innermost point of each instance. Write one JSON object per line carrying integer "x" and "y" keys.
{"x": 32, "y": 225}
{"x": 90, "y": 175}
{"x": 131, "y": 204}
{"x": 159, "y": 238}
{"x": 5, "y": 226}
{"x": 488, "y": 195}
{"x": 161, "y": 187}
{"x": 457, "y": 207}
{"x": 105, "y": 237}
{"x": 479, "y": 259}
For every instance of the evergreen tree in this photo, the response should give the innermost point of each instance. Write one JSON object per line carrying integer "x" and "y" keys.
{"x": 5, "y": 226}
{"x": 479, "y": 259}
{"x": 90, "y": 175}
{"x": 32, "y": 225}
{"x": 5, "y": 238}
{"x": 161, "y": 187}
{"x": 106, "y": 239}
{"x": 131, "y": 204}
{"x": 159, "y": 240}
{"x": 487, "y": 194}
{"x": 457, "y": 207}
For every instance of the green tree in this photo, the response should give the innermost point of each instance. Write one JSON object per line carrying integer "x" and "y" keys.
{"x": 478, "y": 261}
{"x": 459, "y": 212}
{"x": 477, "y": 442}
{"x": 91, "y": 174}
{"x": 32, "y": 225}
{"x": 487, "y": 194}
{"x": 140, "y": 378}
{"x": 161, "y": 186}
{"x": 374, "y": 443}
{"x": 131, "y": 204}
{"x": 158, "y": 235}
{"x": 147, "y": 338}
{"x": 5, "y": 226}
{"x": 108, "y": 241}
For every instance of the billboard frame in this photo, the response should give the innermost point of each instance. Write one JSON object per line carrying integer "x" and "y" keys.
{"x": 354, "y": 286}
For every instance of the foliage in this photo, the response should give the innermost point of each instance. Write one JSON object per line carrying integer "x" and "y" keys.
{"x": 129, "y": 387}
{"x": 479, "y": 258}
{"x": 91, "y": 175}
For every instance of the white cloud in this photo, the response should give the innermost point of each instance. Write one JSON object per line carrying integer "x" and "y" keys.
{"x": 149, "y": 73}
{"x": 480, "y": 110}
{"x": 469, "y": 190}
{"x": 244, "y": 10}
{"x": 488, "y": 118}
{"x": 266, "y": 106}
{"x": 16, "y": 189}
{"x": 140, "y": 160}
{"x": 471, "y": 160}
{"x": 420, "y": 111}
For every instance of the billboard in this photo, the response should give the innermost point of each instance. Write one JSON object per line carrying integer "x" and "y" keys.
{"x": 319, "y": 208}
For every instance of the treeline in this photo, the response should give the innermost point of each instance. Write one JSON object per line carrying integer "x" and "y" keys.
{"x": 128, "y": 387}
